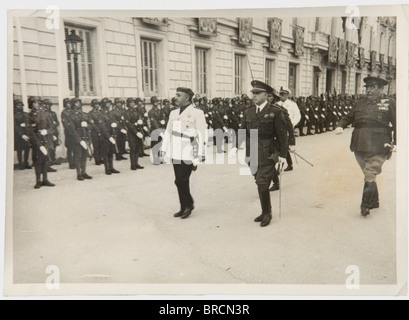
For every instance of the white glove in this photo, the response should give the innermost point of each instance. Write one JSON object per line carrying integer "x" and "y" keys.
{"x": 112, "y": 140}
{"x": 140, "y": 122}
{"x": 196, "y": 162}
{"x": 146, "y": 129}
{"x": 123, "y": 131}
{"x": 145, "y": 115}
{"x": 226, "y": 118}
{"x": 315, "y": 116}
{"x": 224, "y": 129}
{"x": 84, "y": 124}
{"x": 280, "y": 164}
{"x": 323, "y": 116}
{"x": 44, "y": 132}
{"x": 84, "y": 145}
{"x": 339, "y": 130}
{"x": 206, "y": 115}
{"x": 24, "y": 137}
{"x": 44, "y": 150}
{"x": 114, "y": 125}
{"x": 233, "y": 152}
{"x": 139, "y": 135}
{"x": 23, "y": 125}
{"x": 162, "y": 122}
{"x": 292, "y": 148}
{"x": 55, "y": 138}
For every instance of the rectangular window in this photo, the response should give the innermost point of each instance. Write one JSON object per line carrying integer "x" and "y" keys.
{"x": 238, "y": 74}
{"x": 149, "y": 54}
{"x": 201, "y": 70}
{"x": 86, "y": 68}
{"x": 292, "y": 78}
{"x": 269, "y": 72}
{"x": 357, "y": 83}
{"x": 344, "y": 82}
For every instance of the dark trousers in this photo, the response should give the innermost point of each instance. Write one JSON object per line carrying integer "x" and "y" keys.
{"x": 41, "y": 163}
{"x": 136, "y": 147}
{"x": 183, "y": 172}
{"x": 289, "y": 159}
{"x": 22, "y": 156}
{"x": 97, "y": 142}
{"x": 80, "y": 156}
{"x": 121, "y": 144}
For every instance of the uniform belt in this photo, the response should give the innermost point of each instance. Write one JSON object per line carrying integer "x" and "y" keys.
{"x": 263, "y": 137}
{"x": 368, "y": 125}
{"x": 180, "y": 135}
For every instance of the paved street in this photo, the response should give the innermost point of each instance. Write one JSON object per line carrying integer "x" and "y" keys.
{"x": 121, "y": 229}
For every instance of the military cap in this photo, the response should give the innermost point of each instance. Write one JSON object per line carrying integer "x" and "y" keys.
{"x": 137, "y": 100}
{"x": 285, "y": 90}
{"x": 186, "y": 90}
{"x": 94, "y": 102}
{"x": 259, "y": 86}
{"x": 370, "y": 81}
{"x": 33, "y": 99}
{"x": 165, "y": 101}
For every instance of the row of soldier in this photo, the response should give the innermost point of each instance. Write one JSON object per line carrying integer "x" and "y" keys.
{"x": 102, "y": 133}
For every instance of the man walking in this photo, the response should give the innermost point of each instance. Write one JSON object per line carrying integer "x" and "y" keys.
{"x": 186, "y": 125}
{"x": 269, "y": 122}
{"x": 374, "y": 121}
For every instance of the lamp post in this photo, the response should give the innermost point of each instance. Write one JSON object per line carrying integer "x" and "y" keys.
{"x": 74, "y": 45}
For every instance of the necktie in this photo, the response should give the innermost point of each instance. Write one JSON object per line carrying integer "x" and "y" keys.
{"x": 258, "y": 109}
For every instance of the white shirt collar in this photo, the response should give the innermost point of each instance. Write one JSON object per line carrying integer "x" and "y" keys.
{"x": 261, "y": 107}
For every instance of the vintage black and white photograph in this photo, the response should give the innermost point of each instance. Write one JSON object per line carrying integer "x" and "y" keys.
{"x": 231, "y": 152}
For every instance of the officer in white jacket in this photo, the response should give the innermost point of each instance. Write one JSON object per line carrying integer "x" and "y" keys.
{"x": 295, "y": 116}
{"x": 184, "y": 143}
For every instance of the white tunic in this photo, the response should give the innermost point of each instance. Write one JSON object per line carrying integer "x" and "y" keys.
{"x": 293, "y": 111}
{"x": 181, "y": 127}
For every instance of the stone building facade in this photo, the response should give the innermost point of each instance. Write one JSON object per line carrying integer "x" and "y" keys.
{"x": 141, "y": 57}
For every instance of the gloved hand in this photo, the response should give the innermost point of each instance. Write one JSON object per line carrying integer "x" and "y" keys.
{"x": 114, "y": 125}
{"x": 146, "y": 129}
{"x": 112, "y": 140}
{"x": 123, "y": 131}
{"x": 25, "y": 138}
{"x": 280, "y": 164}
{"x": 163, "y": 122}
{"x": 44, "y": 150}
{"x": 140, "y": 122}
{"x": 55, "y": 138}
{"x": 339, "y": 131}
{"x": 292, "y": 148}
{"x": 139, "y": 135}
{"x": 43, "y": 132}
{"x": 224, "y": 129}
{"x": 84, "y": 145}
{"x": 84, "y": 124}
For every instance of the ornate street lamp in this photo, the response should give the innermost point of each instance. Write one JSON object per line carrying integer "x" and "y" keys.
{"x": 74, "y": 45}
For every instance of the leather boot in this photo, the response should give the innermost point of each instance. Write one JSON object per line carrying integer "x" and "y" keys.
{"x": 265, "y": 202}
{"x": 133, "y": 165}
{"x": 111, "y": 165}
{"x": 180, "y": 213}
{"x": 107, "y": 167}
{"x": 375, "y": 198}
{"x": 367, "y": 198}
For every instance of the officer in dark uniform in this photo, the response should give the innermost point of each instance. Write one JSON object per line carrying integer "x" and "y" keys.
{"x": 374, "y": 121}
{"x": 134, "y": 124}
{"x": 78, "y": 128}
{"x": 97, "y": 125}
{"x": 55, "y": 124}
{"x": 110, "y": 137}
{"x": 166, "y": 110}
{"x": 41, "y": 139}
{"x": 118, "y": 113}
{"x": 144, "y": 114}
{"x": 157, "y": 123}
{"x": 272, "y": 144}
{"x": 21, "y": 135}
{"x": 69, "y": 143}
